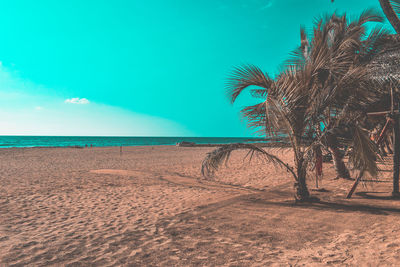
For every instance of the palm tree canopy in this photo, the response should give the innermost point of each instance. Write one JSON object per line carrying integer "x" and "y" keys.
{"x": 326, "y": 77}
{"x": 326, "y": 70}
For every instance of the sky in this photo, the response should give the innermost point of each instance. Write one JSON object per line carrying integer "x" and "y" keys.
{"x": 141, "y": 68}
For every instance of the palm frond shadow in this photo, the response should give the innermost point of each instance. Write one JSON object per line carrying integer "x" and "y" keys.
{"x": 258, "y": 199}
{"x": 334, "y": 206}
{"x": 370, "y": 195}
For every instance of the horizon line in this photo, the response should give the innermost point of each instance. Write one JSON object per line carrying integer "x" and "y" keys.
{"x": 1, "y": 135}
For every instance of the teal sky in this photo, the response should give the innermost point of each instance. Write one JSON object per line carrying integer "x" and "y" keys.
{"x": 153, "y": 68}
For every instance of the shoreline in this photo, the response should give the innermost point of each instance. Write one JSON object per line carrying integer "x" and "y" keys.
{"x": 283, "y": 145}
{"x": 110, "y": 141}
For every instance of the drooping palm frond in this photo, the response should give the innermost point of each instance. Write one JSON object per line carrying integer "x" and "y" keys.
{"x": 245, "y": 76}
{"x": 222, "y": 154}
{"x": 267, "y": 117}
{"x": 364, "y": 152}
{"x": 256, "y": 117}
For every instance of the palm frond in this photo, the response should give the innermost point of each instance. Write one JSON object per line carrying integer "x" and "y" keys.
{"x": 245, "y": 76}
{"x": 259, "y": 93}
{"x": 285, "y": 107}
{"x": 373, "y": 44}
{"x": 222, "y": 154}
{"x": 256, "y": 117}
{"x": 297, "y": 58}
{"x": 364, "y": 154}
{"x": 369, "y": 15}
{"x": 305, "y": 44}
{"x": 267, "y": 118}
{"x": 275, "y": 120}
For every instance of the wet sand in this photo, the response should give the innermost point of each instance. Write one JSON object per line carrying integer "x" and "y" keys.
{"x": 80, "y": 207}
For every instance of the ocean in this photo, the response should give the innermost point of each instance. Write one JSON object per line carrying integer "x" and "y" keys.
{"x": 101, "y": 141}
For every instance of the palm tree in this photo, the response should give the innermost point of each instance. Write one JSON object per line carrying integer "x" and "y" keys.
{"x": 278, "y": 115}
{"x": 325, "y": 82}
{"x": 361, "y": 50}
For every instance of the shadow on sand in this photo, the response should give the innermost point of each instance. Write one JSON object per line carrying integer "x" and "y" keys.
{"x": 329, "y": 205}
{"x": 259, "y": 201}
{"x": 340, "y": 207}
{"x": 373, "y": 195}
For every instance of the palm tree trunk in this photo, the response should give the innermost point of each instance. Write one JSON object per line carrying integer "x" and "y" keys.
{"x": 301, "y": 191}
{"x": 390, "y": 14}
{"x": 340, "y": 167}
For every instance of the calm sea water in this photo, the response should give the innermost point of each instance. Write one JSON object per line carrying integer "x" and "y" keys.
{"x": 65, "y": 141}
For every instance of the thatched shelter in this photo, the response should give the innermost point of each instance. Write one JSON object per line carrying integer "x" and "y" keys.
{"x": 385, "y": 69}
{"x": 386, "y": 65}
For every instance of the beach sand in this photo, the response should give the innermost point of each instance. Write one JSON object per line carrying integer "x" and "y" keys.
{"x": 79, "y": 207}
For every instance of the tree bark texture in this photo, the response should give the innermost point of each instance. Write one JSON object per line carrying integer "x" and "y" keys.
{"x": 340, "y": 167}
{"x": 301, "y": 191}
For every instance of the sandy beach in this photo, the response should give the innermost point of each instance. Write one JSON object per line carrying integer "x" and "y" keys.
{"x": 81, "y": 207}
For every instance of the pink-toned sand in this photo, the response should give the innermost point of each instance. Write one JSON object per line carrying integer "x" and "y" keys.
{"x": 78, "y": 207}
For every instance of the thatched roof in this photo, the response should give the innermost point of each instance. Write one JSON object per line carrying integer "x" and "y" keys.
{"x": 386, "y": 65}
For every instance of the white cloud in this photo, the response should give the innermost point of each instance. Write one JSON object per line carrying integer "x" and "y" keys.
{"x": 267, "y": 4}
{"x": 38, "y": 108}
{"x": 77, "y": 100}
